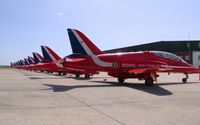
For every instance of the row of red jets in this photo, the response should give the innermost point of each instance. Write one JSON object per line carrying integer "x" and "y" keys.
{"x": 87, "y": 59}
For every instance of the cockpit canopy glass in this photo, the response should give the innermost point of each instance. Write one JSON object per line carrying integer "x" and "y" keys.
{"x": 168, "y": 56}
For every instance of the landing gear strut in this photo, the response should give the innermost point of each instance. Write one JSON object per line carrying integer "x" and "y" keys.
{"x": 59, "y": 73}
{"x": 184, "y": 80}
{"x": 77, "y": 75}
{"x": 87, "y": 76}
{"x": 121, "y": 80}
{"x": 149, "y": 80}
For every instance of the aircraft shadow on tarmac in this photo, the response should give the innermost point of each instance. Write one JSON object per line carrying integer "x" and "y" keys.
{"x": 83, "y": 78}
{"x": 62, "y": 88}
{"x": 155, "y": 90}
{"x": 175, "y": 83}
{"x": 32, "y": 77}
{"x": 35, "y": 78}
{"x": 63, "y": 77}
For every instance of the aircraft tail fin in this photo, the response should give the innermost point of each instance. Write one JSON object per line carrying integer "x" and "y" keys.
{"x": 37, "y": 57}
{"x": 31, "y": 60}
{"x": 22, "y": 62}
{"x": 26, "y": 61}
{"x": 11, "y": 64}
{"x": 49, "y": 54}
{"x": 81, "y": 44}
{"x": 18, "y": 63}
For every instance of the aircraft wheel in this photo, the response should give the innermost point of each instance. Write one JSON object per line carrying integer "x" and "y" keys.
{"x": 87, "y": 76}
{"x": 64, "y": 73}
{"x": 77, "y": 75}
{"x": 121, "y": 80}
{"x": 149, "y": 82}
{"x": 59, "y": 73}
{"x": 184, "y": 80}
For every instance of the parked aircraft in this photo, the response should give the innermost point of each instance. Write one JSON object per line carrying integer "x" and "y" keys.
{"x": 37, "y": 62}
{"x": 143, "y": 65}
{"x": 55, "y": 63}
{"x": 52, "y": 62}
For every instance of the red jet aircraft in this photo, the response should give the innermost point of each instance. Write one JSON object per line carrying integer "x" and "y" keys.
{"x": 55, "y": 64}
{"x": 21, "y": 64}
{"x": 49, "y": 63}
{"x": 142, "y": 65}
{"x": 37, "y": 62}
{"x": 52, "y": 62}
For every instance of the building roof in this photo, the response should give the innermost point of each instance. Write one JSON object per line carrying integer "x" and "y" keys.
{"x": 169, "y": 46}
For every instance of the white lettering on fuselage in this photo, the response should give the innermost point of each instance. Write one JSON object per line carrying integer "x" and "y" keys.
{"x": 129, "y": 65}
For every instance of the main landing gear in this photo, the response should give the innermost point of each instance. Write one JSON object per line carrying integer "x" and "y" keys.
{"x": 59, "y": 73}
{"x": 121, "y": 80}
{"x": 77, "y": 75}
{"x": 184, "y": 80}
{"x": 62, "y": 73}
{"x": 87, "y": 76}
{"x": 149, "y": 81}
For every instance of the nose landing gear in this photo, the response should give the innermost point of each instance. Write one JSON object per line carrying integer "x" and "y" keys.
{"x": 184, "y": 80}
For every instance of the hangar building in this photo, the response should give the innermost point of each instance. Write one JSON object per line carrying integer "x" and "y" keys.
{"x": 189, "y": 50}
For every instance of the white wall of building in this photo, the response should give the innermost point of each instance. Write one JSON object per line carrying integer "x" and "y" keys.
{"x": 196, "y": 58}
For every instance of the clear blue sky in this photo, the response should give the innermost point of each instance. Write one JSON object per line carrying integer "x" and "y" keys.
{"x": 25, "y": 25}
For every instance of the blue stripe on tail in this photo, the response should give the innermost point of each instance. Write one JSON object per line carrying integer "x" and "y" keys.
{"x": 30, "y": 60}
{"x": 46, "y": 56}
{"x": 76, "y": 46}
{"x": 35, "y": 58}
